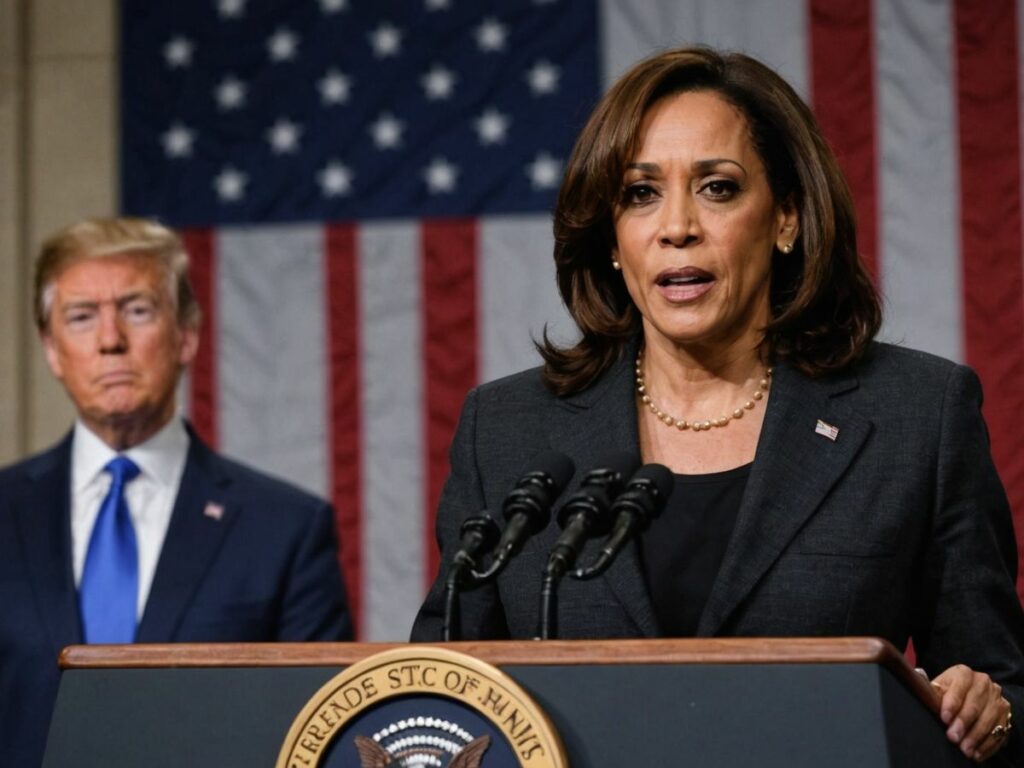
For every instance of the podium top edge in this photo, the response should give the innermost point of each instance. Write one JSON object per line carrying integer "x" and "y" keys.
{"x": 731, "y": 650}
{"x": 799, "y": 650}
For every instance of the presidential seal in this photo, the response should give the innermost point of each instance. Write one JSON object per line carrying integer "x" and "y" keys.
{"x": 420, "y": 707}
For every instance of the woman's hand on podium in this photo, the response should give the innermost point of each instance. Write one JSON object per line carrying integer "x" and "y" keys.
{"x": 977, "y": 717}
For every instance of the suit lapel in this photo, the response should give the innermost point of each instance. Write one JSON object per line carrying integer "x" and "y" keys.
{"x": 199, "y": 523}
{"x": 43, "y": 514}
{"x": 794, "y": 469}
{"x": 598, "y": 422}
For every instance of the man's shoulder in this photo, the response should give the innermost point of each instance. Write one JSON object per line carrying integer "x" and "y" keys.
{"x": 36, "y": 465}
{"x": 253, "y": 485}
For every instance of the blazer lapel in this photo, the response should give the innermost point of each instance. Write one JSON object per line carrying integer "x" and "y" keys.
{"x": 794, "y": 468}
{"x": 601, "y": 421}
{"x": 43, "y": 515}
{"x": 200, "y": 521}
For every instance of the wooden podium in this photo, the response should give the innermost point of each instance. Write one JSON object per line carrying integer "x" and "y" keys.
{"x": 729, "y": 703}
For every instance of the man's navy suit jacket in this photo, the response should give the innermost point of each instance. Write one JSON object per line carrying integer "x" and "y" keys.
{"x": 265, "y": 569}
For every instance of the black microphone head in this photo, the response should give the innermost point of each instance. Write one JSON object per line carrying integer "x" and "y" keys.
{"x": 623, "y": 462}
{"x": 612, "y": 470}
{"x": 551, "y": 469}
{"x": 658, "y": 475}
{"x": 483, "y": 528}
{"x": 535, "y": 492}
{"x": 647, "y": 491}
{"x": 598, "y": 489}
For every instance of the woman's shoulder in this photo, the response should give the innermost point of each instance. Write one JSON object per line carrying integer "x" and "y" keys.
{"x": 884, "y": 359}
{"x": 515, "y": 387}
{"x": 909, "y": 372}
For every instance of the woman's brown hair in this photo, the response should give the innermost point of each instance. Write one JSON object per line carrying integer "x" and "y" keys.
{"x": 825, "y": 310}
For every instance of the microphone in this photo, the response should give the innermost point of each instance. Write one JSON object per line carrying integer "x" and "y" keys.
{"x": 584, "y": 514}
{"x": 642, "y": 501}
{"x": 479, "y": 534}
{"x": 527, "y": 508}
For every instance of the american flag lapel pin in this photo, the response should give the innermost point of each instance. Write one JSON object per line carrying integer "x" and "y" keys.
{"x": 826, "y": 429}
{"x": 213, "y": 510}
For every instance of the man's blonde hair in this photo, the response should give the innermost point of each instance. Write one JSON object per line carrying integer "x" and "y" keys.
{"x": 101, "y": 237}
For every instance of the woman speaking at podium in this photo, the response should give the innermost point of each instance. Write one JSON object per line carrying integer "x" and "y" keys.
{"x": 825, "y": 484}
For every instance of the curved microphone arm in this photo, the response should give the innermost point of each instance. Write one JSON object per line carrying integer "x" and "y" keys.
{"x": 479, "y": 535}
{"x": 584, "y": 516}
{"x": 527, "y": 508}
{"x": 642, "y": 501}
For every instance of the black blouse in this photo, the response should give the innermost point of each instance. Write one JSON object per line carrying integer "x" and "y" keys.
{"x": 683, "y": 549}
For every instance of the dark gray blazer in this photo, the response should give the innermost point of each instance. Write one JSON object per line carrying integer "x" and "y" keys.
{"x": 899, "y": 528}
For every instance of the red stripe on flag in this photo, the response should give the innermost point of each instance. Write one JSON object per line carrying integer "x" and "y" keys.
{"x": 843, "y": 93}
{"x": 203, "y": 374}
{"x": 990, "y": 227}
{"x": 344, "y": 423}
{"x": 450, "y": 347}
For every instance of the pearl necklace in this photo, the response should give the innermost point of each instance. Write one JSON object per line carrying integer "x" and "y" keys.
{"x": 697, "y": 426}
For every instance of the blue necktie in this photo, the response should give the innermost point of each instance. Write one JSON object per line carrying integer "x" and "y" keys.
{"x": 109, "y": 589}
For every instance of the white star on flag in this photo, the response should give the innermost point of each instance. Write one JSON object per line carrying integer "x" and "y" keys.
{"x": 543, "y": 78}
{"x": 333, "y": 6}
{"x": 230, "y": 93}
{"x": 284, "y": 136}
{"x": 490, "y": 36}
{"x": 335, "y": 87}
{"x": 386, "y": 40}
{"x": 178, "y": 141}
{"x": 438, "y": 83}
{"x": 544, "y": 171}
{"x": 491, "y": 127}
{"x": 178, "y": 52}
{"x": 230, "y": 9}
{"x": 230, "y": 184}
{"x": 440, "y": 176}
{"x": 282, "y": 45}
{"x": 335, "y": 179}
{"x": 387, "y": 131}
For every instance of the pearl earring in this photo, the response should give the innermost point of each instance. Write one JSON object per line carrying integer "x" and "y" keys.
{"x": 615, "y": 265}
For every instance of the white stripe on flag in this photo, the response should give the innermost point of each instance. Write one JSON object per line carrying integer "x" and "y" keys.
{"x": 394, "y": 478}
{"x": 271, "y": 337}
{"x": 773, "y": 31}
{"x": 919, "y": 260}
{"x": 518, "y": 294}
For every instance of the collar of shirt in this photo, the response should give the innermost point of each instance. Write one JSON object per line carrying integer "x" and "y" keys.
{"x": 161, "y": 458}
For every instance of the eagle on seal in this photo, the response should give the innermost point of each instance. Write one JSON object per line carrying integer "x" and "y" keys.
{"x": 373, "y": 755}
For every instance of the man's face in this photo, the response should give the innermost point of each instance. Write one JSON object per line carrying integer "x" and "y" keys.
{"x": 114, "y": 341}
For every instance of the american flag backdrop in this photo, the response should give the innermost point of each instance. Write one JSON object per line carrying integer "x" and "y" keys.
{"x": 365, "y": 189}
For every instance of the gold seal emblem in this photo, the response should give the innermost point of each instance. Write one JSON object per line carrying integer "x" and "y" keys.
{"x": 421, "y": 706}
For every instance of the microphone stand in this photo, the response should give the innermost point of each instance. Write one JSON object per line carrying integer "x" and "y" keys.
{"x": 479, "y": 534}
{"x": 584, "y": 515}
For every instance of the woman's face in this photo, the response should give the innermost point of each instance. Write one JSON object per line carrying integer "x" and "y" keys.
{"x": 696, "y": 226}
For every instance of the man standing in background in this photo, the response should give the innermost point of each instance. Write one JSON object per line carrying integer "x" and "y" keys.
{"x": 131, "y": 529}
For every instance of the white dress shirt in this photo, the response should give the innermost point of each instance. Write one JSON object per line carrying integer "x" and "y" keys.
{"x": 150, "y": 496}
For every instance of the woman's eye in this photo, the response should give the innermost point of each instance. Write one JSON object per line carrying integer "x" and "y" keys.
{"x": 638, "y": 194}
{"x": 720, "y": 189}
